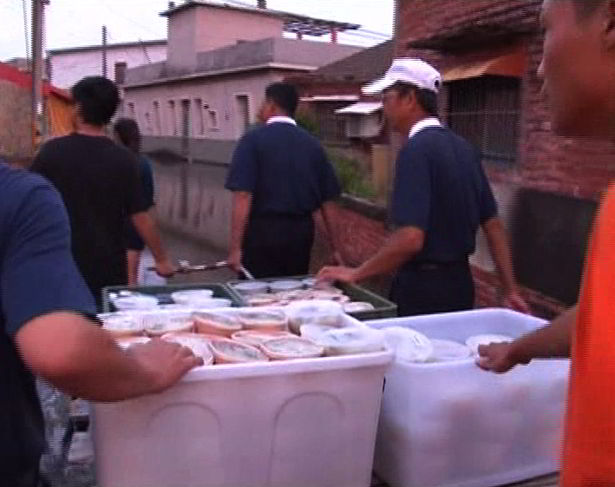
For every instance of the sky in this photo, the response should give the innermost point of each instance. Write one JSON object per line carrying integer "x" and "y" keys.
{"x": 70, "y": 23}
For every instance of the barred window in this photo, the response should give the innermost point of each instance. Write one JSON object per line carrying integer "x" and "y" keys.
{"x": 486, "y": 112}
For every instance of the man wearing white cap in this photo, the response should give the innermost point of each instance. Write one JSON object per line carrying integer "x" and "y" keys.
{"x": 441, "y": 196}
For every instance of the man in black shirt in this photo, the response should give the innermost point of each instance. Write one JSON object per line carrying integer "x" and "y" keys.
{"x": 280, "y": 177}
{"x": 99, "y": 182}
{"x": 441, "y": 197}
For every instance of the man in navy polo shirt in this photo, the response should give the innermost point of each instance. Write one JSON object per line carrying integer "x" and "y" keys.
{"x": 441, "y": 196}
{"x": 47, "y": 327}
{"x": 280, "y": 177}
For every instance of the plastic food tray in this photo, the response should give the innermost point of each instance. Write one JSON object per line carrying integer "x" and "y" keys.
{"x": 383, "y": 307}
{"x": 163, "y": 293}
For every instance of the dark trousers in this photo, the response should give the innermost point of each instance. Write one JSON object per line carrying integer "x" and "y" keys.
{"x": 278, "y": 245}
{"x": 433, "y": 288}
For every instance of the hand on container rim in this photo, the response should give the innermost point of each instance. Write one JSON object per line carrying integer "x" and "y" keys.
{"x": 234, "y": 260}
{"x": 337, "y": 273}
{"x": 164, "y": 362}
{"x": 496, "y": 357}
{"x": 515, "y": 301}
{"x": 165, "y": 268}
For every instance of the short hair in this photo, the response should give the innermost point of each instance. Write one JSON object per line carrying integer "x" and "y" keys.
{"x": 128, "y": 132}
{"x": 97, "y": 98}
{"x": 427, "y": 99}
{"x": 585, "y": 8}
{"x": 284, "y": 96}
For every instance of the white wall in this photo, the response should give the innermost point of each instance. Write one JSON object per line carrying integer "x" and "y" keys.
{"x": 215, "y": 95}
{"x": 68, "y": 68}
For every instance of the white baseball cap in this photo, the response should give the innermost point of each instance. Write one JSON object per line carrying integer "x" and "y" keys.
{"x": 407, "y": 70}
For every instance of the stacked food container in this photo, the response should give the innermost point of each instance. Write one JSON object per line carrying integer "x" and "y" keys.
{"x": 268, "y": 408}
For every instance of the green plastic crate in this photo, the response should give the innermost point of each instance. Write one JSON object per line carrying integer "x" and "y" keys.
{"x": 383, "y": 307}
{"x": 163, "y": 293}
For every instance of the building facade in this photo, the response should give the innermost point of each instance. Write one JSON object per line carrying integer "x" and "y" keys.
{"x": 207, "y": 93}
{"x": 67, "y": 66}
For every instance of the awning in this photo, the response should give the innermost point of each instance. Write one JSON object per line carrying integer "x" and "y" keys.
{"x": 361, "y": 108}
{"x": 327, "y": 98}
{"x": 513, "y": 65}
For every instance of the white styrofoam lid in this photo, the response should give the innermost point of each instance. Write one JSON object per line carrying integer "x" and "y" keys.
{"x": 409, "y": 345}
{"x": 447, "y": 350}
{"x": 285, "y": 285}
{"x": 135, "y": 302}
{"x": 189, "y": 295}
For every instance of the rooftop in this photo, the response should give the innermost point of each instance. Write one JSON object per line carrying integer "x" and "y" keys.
{"x": 298, "y": 24}
{"x": 98, "y": 47}
{"x": 271, "y": 53}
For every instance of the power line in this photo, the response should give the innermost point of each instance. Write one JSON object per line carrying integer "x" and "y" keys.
{"x": 129, "y": 19}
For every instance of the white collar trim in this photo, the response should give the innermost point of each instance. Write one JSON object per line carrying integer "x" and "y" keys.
{"x": 423, "y": 124}
{"x": 281, "y": 119}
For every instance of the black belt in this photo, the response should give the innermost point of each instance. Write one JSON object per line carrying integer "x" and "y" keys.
{"x": 433, "y": 265}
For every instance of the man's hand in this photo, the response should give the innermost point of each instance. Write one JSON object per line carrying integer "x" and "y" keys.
{"x": 234, "y": 260}
{"x": 514, "y": 300}
{"x": 164, "y": 362}
{"x": 342, "y": 274}
{"x": 165, "y": 268}
{"x": 497, "y": 357}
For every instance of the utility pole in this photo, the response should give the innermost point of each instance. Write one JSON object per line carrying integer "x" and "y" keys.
{"x": 104, "y": 51}
{"x": 38, "y": 22}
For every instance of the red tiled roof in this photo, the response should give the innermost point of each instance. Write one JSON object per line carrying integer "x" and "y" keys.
{"x": 24, "y": 80}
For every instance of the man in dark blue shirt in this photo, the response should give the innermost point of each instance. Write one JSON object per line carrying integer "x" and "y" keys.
{"x": 441, "y": 196}
{"x": 47, "y": 327}
{"x": 280, "y": 177}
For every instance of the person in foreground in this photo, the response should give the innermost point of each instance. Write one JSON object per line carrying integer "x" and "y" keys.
{"x": 578, "y": 69}
{"x": 48, "y": 328}
{"x": 441, "y": 196}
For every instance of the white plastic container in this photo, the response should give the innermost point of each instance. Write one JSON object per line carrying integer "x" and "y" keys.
{"x": 454, "y": 425}
{"x": 299, "y": 423}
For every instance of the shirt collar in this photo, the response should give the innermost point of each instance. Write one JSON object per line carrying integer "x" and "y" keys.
{"x": 423, "y": 124}
{"x": 281, "y": 119}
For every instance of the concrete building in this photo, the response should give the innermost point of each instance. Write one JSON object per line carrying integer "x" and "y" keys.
{"x": 67, "y": 66}
{"x": 220, "y": 59}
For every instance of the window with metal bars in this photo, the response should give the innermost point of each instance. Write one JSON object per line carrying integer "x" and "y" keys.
{"x": 486, "y": 112}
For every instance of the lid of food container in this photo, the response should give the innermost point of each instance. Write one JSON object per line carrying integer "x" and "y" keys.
{"x": 409, "y": 345}
{"x": 448, "y": 351}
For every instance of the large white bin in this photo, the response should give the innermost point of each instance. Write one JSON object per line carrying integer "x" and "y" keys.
{"x": 454, "y": 425}
{"x": 303, "y": 423}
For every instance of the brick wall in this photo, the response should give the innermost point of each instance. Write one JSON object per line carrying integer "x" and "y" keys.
{"x": 15, "y": 121}
{"x": 580, "y": 169}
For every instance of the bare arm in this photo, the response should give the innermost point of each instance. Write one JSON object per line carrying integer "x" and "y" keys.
{"x": 499, "y": 247}
{"x": 326, "y": 212}
{"x": 242, "y": 204}
{"x": 551, "y": 341}
{"x": 146, "y": 228}
{"x": 80, "y": 358}
{"x": 401, "y": 246}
